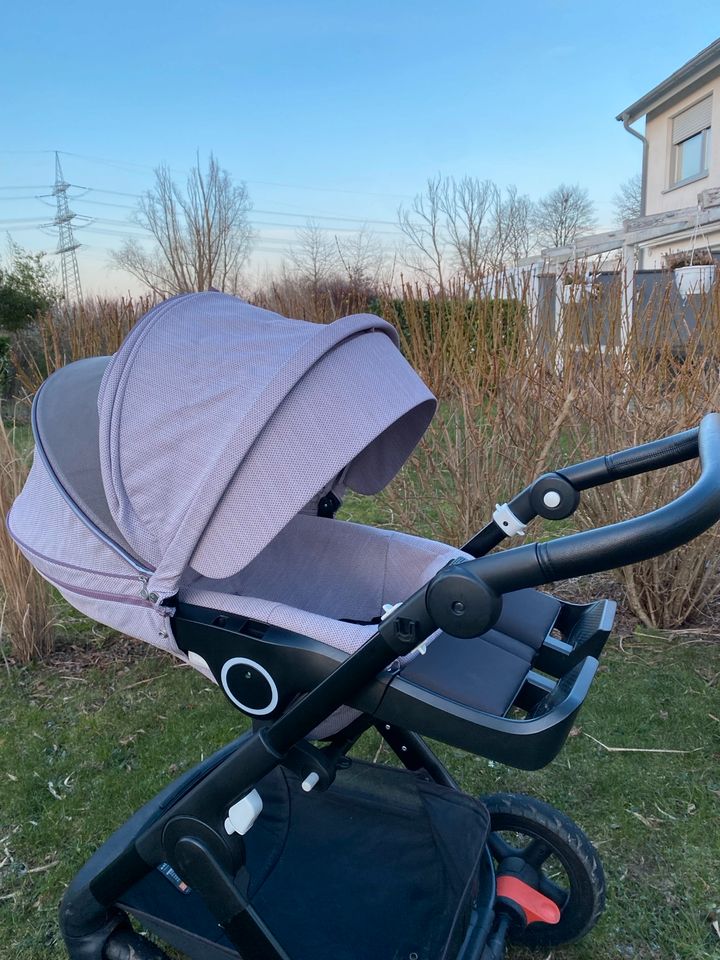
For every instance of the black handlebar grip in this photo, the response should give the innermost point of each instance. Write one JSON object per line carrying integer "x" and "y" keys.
{"x": 635, "y": 460}
{"x": 650, "y": 535}
{"x": 629, "y": 541}
{"x": 654, "y": 455}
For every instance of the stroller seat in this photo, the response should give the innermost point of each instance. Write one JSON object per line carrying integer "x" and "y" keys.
{"x": 296, "y": 623}
{"x": 338, "y": 600}
{"x": 487, "y": 673}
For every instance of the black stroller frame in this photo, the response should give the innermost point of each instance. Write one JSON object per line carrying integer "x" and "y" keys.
{"x": 196, "y": 833}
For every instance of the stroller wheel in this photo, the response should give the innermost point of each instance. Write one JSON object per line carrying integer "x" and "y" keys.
{"x": 561, "y": 859}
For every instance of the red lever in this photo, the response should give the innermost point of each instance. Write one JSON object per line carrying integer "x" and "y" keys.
{"x": 535, "y": 905}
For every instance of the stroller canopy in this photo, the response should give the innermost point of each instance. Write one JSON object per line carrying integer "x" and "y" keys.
{"x": 220, "y": 421}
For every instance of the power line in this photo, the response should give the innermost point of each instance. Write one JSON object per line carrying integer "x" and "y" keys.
{"x": 267, "y": 183}
{"x": 130, "y": 227}
{"x": 114, "y": 193}
{"x": 119, "y": 164}
{"x": 355, "y": 193}
{"x": 273, "y": 213}
{"x": 26, "y": 220}
{"x": 126, "y": 229}
{"x": 333, "y": 218}
{"x": 106, "y": 203}
{"x": 320, "y": 216}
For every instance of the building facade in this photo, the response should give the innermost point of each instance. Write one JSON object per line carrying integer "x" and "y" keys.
{"x": 681, "y": 163}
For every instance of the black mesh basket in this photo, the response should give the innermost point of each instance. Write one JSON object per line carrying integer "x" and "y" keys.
{"x": 382, "y": 866}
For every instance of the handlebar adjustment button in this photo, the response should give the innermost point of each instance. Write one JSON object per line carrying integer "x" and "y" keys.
{"x": 460, "y": 603}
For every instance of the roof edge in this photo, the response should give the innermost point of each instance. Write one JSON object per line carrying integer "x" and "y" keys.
{"x": 674, "y": 84}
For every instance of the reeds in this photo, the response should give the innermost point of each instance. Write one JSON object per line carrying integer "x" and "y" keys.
{"x": 525, "y": 385}
{"x": 94, "y": 328}
{"x": 524, "y": 390}
{"x": 27, "y": 621}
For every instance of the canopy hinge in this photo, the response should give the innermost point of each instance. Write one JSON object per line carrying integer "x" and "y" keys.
{"x": 145, "y": 593}
{"x": 329, "y": 505}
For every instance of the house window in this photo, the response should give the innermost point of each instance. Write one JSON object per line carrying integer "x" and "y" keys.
{"x": 691, "y": 142}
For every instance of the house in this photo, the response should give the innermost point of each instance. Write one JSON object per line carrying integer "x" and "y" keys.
{"x": 680, "y": 179}
{"x": 680, "y": 212}
{"x": 681, "y": 164}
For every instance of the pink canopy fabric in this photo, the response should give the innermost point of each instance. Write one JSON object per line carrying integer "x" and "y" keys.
{"x": 219, "y": 422}
{"x": 191, "y": 464}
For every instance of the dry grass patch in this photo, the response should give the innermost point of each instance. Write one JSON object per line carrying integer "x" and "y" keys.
{"x": 27, "y": 619}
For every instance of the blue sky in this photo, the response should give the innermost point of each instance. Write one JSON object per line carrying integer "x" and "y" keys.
{"x": 325, "y": 109}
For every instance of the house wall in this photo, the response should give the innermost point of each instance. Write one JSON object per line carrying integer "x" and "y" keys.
{"x": 655, "y": 294}
{"x": 659, "y": 195}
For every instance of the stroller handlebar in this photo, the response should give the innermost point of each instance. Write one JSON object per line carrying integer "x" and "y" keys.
{"x": 463, "y": 598}
{"x": 629, "y": 463}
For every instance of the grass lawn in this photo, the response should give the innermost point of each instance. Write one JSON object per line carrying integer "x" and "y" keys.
{"x": 90, "y": 736}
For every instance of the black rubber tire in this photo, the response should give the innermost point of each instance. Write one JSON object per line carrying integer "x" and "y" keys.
{"x": 128, "y": 945}
{"x": 585, "y": 900}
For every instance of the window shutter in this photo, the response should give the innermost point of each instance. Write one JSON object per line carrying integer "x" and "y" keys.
{"x": 692, "y": 120}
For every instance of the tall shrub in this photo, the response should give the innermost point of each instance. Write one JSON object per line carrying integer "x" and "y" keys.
{"x": 26, "y": 613}
{"x": 521, "y": 393}
{"x": 90, "y": 329}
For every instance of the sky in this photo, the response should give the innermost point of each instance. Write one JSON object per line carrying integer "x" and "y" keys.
{"x": 333, "y": 111}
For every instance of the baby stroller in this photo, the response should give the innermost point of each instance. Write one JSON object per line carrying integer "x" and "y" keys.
{"x": 184, "y": 491}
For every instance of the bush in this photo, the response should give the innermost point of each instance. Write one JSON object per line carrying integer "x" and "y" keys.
{"x": 514, "y": 404}
{"x": 27, "y": 287}
{"x": 445, "y": 334}
{"x": 319, "y": 302}
{"x": 26, "y": 613}
{"x": 439, "y": 312}
{"x": 94, "y": 328}
{"x": 6, "y": 367}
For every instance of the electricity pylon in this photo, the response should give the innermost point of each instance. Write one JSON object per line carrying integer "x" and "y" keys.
{"x": 67, "y": 245}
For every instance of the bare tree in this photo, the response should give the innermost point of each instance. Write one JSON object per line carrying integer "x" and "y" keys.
{"x": 627, "y": 202}
{"x": 423, "y": 224}
{"x": 201, "y": 235}
{"x": 466, "y": 227}
{"x": 562, "y": 215}
{"x": 467, "y": 205}
{"x": 314, "y": 256}
{"x": 362, "y": 258}
{"x": 510, "y": 229}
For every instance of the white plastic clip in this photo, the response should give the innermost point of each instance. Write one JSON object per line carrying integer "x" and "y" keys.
{"x": 243, "y": 814}
{"x": 200, "y": 663}
{"x": 508, "y": 522}
{"x": 310, "y": 781}
{"x": 388, "y": 609}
